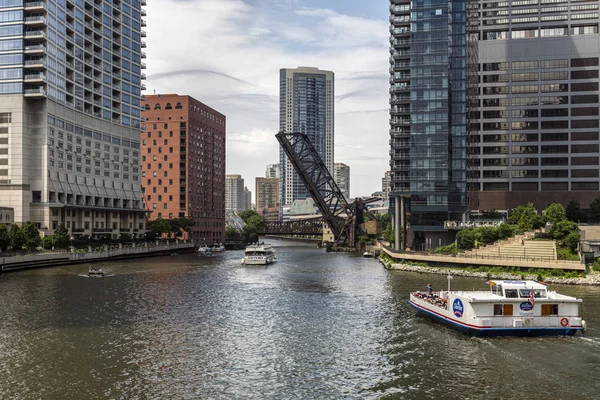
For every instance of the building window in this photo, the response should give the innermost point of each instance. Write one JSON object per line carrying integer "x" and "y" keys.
{"x": 157, "y": 106}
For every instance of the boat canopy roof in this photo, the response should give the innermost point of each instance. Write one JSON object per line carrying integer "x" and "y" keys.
{"x": 518, "y": 284}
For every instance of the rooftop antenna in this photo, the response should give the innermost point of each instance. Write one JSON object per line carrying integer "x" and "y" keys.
{"x": 154, "y": 91}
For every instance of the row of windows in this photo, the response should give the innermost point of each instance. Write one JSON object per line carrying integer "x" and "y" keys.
{"x": 543, "y": 64}
{"x": 533, "y": 113}
{"x": 69, "y": 127}
{"x": 534, "y": 137}
{"x": 530, "y": 125}
{"x": 535, "y": 149}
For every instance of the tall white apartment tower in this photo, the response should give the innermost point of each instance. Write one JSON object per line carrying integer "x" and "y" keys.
{"x": 306, "y": 104}
{"x": 235, "y": 193}
{"x": 70, "y": 90}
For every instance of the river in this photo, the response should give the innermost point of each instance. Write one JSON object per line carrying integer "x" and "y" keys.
{"x": 311, "y": 326}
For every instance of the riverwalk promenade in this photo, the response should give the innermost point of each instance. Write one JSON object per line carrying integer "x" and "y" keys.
{"x": 94, "y": 254}
{"x": 483, "y": 260}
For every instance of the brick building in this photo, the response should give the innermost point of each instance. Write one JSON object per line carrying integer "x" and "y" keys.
{"x": 183, "y": 163}
{"x": 267, "y": 198}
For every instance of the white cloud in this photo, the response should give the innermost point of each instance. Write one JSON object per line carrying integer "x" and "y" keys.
{"x": 227, "y": 54}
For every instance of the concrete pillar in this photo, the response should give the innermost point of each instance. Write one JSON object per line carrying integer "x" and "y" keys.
{"x": 402, "y": 223}
{"x": 397, "y": 228}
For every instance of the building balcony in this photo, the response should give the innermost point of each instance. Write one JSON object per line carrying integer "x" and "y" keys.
{"x": 143, "y": 54}
{"x": 38, "y": 20}
{"x": 35, "y": 93}
{"x": 143, "y": 65}
{"x": 38, "y": 63}
{"x": 35, "y": 6}
{"x": 143, "y": 44}
{"x": 35, "y": 78}
{"x": 35, "y": 49}
{"x": 35, "y": 35}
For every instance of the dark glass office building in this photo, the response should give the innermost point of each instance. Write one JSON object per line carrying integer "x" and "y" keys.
{"x": 430, "y": 59}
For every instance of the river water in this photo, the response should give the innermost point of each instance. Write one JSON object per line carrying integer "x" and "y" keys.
{"x": 311, "y": 326}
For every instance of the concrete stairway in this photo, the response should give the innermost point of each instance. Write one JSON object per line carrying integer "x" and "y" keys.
{"x": 520, "y": 246}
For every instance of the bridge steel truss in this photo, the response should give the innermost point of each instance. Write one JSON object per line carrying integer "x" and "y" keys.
{"x": 340, "y": 216}
{"x": 312, "y": 227}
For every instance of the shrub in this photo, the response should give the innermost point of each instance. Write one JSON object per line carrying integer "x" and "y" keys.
{"x": 562, "y": 229}
{"x": 566, "y": 254}
{"x": 572, "y": 241}
{"x": 465, "y": 239}
{"x": 450, "y": 249}
{"x": 487, "y": 234}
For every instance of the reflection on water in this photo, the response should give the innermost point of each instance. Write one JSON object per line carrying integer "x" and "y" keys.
{"x": 311, "y": 326}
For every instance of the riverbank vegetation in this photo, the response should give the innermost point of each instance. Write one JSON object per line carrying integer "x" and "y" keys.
{"x": 492, "y": 272}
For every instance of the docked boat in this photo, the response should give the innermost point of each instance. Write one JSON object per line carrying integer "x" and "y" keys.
{"x": 509, "y": 308}
{"x": 259, "y": 254}
{"x": 204, "y": 250}
{"x": 367, "y": 254}
{"x": 219, "y": 248}
{"x": 95, "y": 271}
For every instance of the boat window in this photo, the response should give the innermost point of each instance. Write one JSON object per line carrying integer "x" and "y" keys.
{"x": 511, "y": 293}
{"x": 497, "y": 309}
{"x": 549, "y": 309}
{"x": 524, "y": 293}
{"x": 507, "y": 309}
{"x": 499, "y": 288}
{"x": 539, "y": 293}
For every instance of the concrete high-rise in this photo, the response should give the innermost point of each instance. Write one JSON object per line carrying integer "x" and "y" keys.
{"x": 235, "y": 193}
{"x": 306, "y": 104}
{"x": 341, "y": 175}
{"x": 70, "y": 92}
{"x": 386, "y": 184}
{"x": 273, "y": 171}
{"x": 267, "y": 198}
{"x": 430, "y": 56}
{"x": 183, "y": 163}
{"x": 535, "y": 120}
{"x": 247, "y": 199}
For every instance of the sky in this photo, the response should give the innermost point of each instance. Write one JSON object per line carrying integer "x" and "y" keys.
{"x": 228, "y": 53}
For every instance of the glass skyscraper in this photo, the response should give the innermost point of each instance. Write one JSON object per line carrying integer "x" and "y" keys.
{"x": 429, "y": 77}
{"x": 70, "y": 91}
{"x": 306, "y": 104}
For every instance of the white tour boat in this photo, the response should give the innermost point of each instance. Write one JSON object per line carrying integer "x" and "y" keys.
{"x": 259, "y": 254}
{"x": 510, "y": 308}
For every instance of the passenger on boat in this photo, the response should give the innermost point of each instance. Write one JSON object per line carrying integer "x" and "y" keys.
{"x": 429, "y": 290}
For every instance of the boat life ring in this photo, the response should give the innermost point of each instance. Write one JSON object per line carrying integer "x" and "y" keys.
{"x": 564, "y": 322}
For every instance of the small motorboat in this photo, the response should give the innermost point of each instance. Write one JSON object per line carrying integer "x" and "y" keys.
{"x": 95, "y": 271}
{"x": 367, "y": 254}
{"x": 204, "y": 250}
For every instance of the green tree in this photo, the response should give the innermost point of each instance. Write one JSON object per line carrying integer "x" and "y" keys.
{"x": 4, "y": 238}
{"x": 32, "y": 236}
{"x": 247, "y": 214}
{"x": 48, "y": 242}
{"x": 158, "y": 227}
{"x": 562, "y": 229}
{"x": 254, "y": 225}
{"x": 573, "y": 211}
{"x": 572, "y": 241}
{"x": 61, "y": 237}
{"x": 554, "y": 213}
{"x": 505, "y": 231}
{"x": 595, "y": 209}
{"x": 389, "y": 235}
{"x": 17, "y": 238}
{"x": 527, "y": 217}
{"x": 465, "y": 239}
{"x": 180, "y": 225}
{"x": 232, "y": 234}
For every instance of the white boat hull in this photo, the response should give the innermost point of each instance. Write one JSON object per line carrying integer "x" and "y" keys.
{"x": 258, "y": 260}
